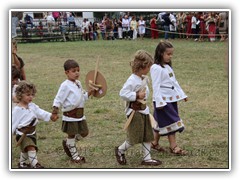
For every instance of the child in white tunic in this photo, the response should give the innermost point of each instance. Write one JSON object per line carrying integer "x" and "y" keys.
{"x": 71, "y": 97}
{"x": 166, "y": 93}
{"x": 25, "y": 117}
{"x": 135, "y": 92}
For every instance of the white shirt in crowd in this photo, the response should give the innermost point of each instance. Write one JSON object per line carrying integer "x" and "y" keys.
{"x": 129, "y": 92}
{"x": 194, "y": 22}
{"x": 125, "y": 23}
{"x": 166, "y": 88}
{"x": 70, "y": 96}
{"x": 160, "y": 15}
{"x": 22, "y": 117}
{"x": 173, "y": 27}
{"x": 50, "y": 19}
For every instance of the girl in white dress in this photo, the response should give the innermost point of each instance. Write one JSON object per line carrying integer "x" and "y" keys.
{"x": 166, "y": 93}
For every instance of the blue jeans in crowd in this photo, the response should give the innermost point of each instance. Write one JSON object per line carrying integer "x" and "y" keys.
{"x": 166, "y": 29}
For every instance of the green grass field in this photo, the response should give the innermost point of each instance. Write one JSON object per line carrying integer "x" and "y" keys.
{"x": 200, "y": 68}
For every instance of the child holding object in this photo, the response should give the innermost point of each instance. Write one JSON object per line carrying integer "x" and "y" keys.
{"x": 71, "y": 97}
{"x": 135, "y": 91}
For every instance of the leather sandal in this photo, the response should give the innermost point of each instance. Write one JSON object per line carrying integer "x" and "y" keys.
{"x": 24, "y": 166}
{"x": 151, "y": 162}
{"x": 38, "y": 166}
{"x": 120, "y": 158}
{"x": 157, "y": 147}
{"x": 81, "y": 160}
{"x": 178, "y": 151}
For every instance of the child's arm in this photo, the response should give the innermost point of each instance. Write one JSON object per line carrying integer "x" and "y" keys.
{"x": 42, "y": 114}
{"x": 127, "y": 93}
{"x": 61, "y": 96}
{"x": 16, "y": 117}
{"x": 156, "y": 82}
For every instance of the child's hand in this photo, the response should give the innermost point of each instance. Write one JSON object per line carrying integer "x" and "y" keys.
{"x": 90, "y": 91}
{"x": 141, "y": 94}
{"x": 54, "y": 117}
{"x": 186, "y": 99}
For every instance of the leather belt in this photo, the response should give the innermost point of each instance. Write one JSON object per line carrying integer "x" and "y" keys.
{"x": 75, "y": 113}
{"x": 137, "y": 106}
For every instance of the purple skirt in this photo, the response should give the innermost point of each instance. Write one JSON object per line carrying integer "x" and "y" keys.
{"x": 168, "y": 119}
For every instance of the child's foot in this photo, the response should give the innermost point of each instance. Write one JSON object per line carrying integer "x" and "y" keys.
{"x": 151, "y": 162}
{"x": 23, "y": 166}
{"x": 79, "y": 160}
{"x": 38, "y": 166}
{"x": 120, "y": 157}
{"x": 158, "y": 148}
{"x": 178, "y": 151}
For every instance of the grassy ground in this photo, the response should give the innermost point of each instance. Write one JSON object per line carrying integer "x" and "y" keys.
{"x": 199, "y": 68}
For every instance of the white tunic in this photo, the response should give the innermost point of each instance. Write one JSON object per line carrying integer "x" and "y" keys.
{"x": 22, "y": 117}
{"x": 165, "y": 85}
{"x": 70, "y": 96}
{"x": 129, "y": 91}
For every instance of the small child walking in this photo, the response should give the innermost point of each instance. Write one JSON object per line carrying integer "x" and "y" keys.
{"x": 71, "y": 97}
{"x": 135, "y": 92}
{"x": 166, "y": 93}
{"x": 25, "y": 117}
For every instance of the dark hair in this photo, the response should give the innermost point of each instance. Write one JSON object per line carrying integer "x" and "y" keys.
{"x": 160, "y": 49}
{"x": 15, "y": 72}
{"x": 70, "y": 63}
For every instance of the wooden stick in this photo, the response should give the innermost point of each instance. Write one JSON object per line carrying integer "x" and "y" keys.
{"x": 96, "y": 70}
{"x": 129, "y": 120}
{"x": 21, "y": 139}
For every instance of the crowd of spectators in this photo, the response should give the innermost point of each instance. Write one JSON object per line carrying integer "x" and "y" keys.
{"x": 196, "y": 25}
{"x": 199, "y": 26}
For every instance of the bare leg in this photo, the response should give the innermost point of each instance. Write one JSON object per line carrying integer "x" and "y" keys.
{"x": 156, "y": 138}
{"x": 172, "y": 140}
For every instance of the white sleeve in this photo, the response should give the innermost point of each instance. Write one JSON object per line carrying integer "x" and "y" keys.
{"x": 41, "y": 114}
{"x": 156, "y": 82}
{"x": 84, "y": 93}
{"x": 127, "y": 93}
{"x": 61, "y": 96}
{"x": 16, "y": 117}
{"x": 179, "y": 89}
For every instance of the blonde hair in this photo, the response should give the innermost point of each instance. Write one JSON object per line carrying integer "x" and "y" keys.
{"x": 23, "y": 88}
{"x": 142, "y": 59}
